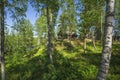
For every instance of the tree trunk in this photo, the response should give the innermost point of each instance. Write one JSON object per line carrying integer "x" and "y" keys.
{"x": 84, "y": 45}
{"x": 2, "y": 41}
{"x": 38, "y": 41}
{"x": 101, "y": 30}
{"x": 50, "y": 44}
{"x": 107, "y": 46}
{"x": 85, "y": 36}
{"x": 98, "y": 33}
{"x": 93, "y": 40}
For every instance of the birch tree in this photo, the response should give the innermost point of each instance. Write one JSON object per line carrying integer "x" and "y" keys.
{"x": 51, "y": 8}
{"x": 107, "y": 45}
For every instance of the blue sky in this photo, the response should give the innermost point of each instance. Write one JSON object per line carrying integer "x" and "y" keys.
{"x": 31, "y": 15}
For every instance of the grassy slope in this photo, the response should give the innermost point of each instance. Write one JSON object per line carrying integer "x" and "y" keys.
{"x": 70, "y": 63}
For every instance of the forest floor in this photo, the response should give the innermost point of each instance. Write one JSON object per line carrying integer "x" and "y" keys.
{"x": 70, "y": 63}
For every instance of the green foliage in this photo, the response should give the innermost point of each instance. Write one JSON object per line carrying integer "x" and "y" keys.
{"x": 90, "y": 16}
{"x": 41, "y": 29}
{"x": 17, "y": 9}
{"x": 24, "y": 35}
{"x": 26, "y": 61}
{"x": 89, "y": 72}
{"x": 68, "y": 64}
{"x": 67, "y": 19}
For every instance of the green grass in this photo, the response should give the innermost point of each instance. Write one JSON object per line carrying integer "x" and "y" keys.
{"x": 70, "y": 63}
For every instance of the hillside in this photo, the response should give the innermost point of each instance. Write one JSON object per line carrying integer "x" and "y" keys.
{"x": 70, "y": 63}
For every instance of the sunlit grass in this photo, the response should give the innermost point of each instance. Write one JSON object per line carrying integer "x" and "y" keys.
{"x": 70, "y": 63}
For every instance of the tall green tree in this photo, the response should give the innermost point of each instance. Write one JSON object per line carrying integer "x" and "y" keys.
{"x": 107, "y": 45}
{"x": 51, "y": 8}
{"x": 19, "y": 43}
{"x": 6, "y": 4}
{"x": 24, "y": 32}
{"x": 67, "y": 19}
{"x": 41, "y": 29}
{"x": 116, "y": 29}
{"x": 89, "y": 17}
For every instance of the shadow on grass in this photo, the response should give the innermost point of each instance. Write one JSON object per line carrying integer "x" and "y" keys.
{"x": 38, "y": 68}
{"x": 68, "y": 46}
{"x": 80, "y": 67}
{"x": 72, "y": 48}
{"x": 92, "y": 58}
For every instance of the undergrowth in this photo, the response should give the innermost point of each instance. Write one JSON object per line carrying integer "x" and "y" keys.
{"x": 70, "y": 63}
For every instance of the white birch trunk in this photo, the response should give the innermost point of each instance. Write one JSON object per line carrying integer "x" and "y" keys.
{"x": 107, "y": 46}
{"x": 50, "y": 44}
